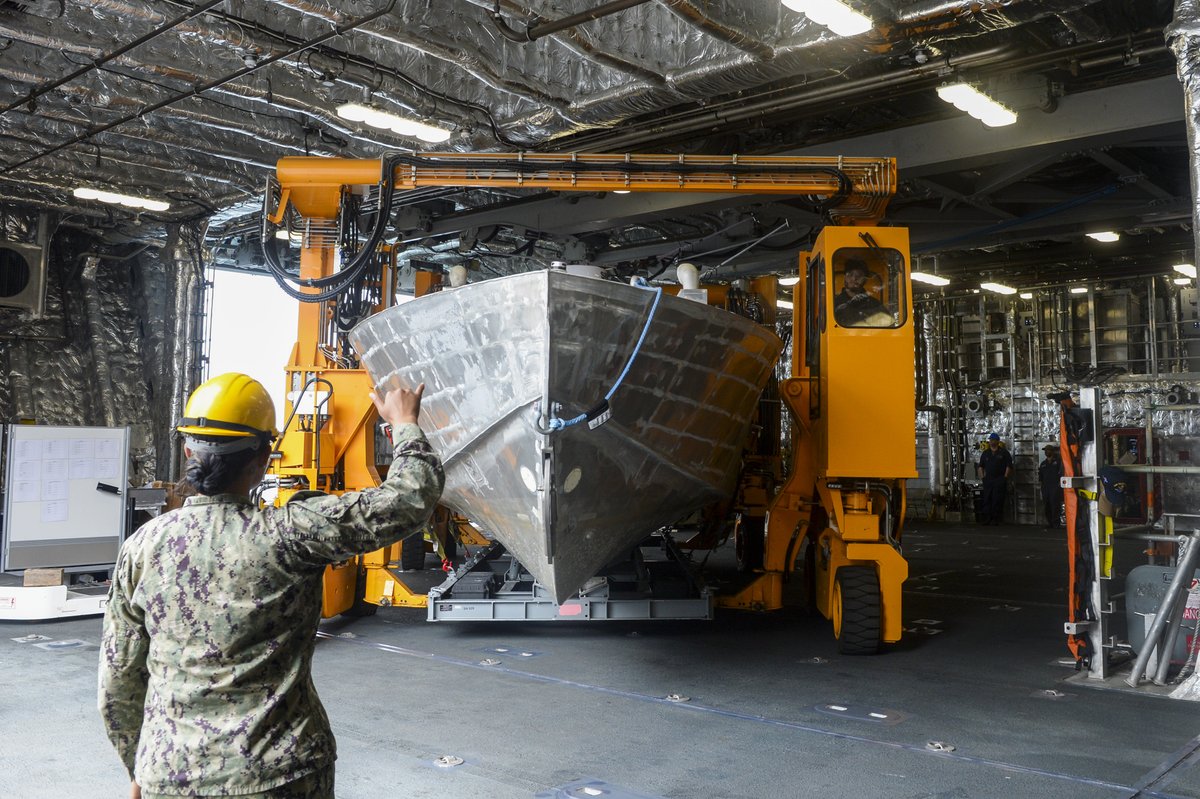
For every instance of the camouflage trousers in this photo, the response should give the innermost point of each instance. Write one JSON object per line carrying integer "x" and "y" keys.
{"x": 318, "y": 785}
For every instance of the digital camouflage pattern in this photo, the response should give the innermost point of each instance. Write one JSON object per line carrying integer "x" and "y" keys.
{"x": 205, "y": 683}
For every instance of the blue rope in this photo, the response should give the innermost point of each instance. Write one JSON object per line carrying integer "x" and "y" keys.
{"x": 560, "y": 424}
{"x": 641, "y": 284}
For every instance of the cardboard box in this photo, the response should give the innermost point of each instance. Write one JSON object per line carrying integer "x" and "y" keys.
{"x": 43, "y": 577}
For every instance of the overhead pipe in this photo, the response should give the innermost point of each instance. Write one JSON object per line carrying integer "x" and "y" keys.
{"x": 934, "y": 10}
{"x": 95, "y": 326}
{"x": 1183, "y": 37}
{"x": 183, "y": 277}
{"x": 809, "y": 95}
{"x": 836, "y": 89}
{"x": 689, "y": 12}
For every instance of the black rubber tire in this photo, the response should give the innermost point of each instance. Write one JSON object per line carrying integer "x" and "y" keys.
{"x": 861, "y": 612}
{"x": 412, "y": 553}
{"x": 810, "y": 577}
{"x": 361, "y": 606}
{"x": 749, "y": 543}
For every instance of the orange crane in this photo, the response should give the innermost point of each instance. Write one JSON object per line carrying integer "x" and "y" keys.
{"x": 840, "y": 510}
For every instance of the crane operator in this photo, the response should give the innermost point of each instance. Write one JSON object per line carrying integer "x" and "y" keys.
{"x": 854, "y": 306}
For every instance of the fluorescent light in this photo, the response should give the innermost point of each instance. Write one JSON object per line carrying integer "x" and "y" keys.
{"x": 113, "y": 198}
{"x": 785, "y": 304}
{"x": 998, "y": 288}
{"x": 1183, "y": 281}
{"x": 1079, "y": 289}
{"x": 833, "y": 14}
{"x": 1185, "y": 269}
{"x": 620, "y": 191}
{"x": 1026, "y": 295}
{"x": 1105, "y": 236}
{"x": 377, "y": 118}
{"x": 790, "y": 280}
{"x": 968, "y": 99}
{"x": 933, "y": 280}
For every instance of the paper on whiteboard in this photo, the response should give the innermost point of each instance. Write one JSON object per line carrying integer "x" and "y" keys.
{"x": 108, "y": 448}
{"x": 55, "y": 470}
{"x": 107, "y": 469}
{"x": 54, "y": 512}
{"x": 27, "y": 470}
{"x": 25, "y": 492}
{"x": 56, "y": 449}
{"x": 83, "y": 448}
{"x": 82, "y": 468}
{"x": 29, "y": 450}
{"x": 54, "y": 489}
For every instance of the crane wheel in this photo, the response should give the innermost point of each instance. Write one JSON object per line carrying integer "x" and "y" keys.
{"x": 412, "y": 552}
{"x": 856, "y": 610}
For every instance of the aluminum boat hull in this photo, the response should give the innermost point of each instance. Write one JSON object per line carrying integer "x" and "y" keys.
{"x": 498, "y": 356}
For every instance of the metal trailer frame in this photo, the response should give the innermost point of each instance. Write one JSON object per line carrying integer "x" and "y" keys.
{"x": 512, "y": 594}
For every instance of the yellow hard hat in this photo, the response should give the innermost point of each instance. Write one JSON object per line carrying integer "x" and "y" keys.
{"x": 231, "y": 405}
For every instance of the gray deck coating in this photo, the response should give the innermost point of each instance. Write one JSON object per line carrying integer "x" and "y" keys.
{"x": 589, "y": 702}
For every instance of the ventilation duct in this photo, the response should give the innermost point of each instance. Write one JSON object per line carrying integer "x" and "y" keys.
{"x": 22, "y": 277}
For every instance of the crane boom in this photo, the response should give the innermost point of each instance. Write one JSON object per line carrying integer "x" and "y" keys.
{"x": 855, "y": 189}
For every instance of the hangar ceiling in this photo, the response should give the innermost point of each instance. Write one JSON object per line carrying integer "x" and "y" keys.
{"x": 193, "y": 103}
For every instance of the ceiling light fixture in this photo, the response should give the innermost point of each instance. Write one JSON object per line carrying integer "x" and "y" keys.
{"x": 933, "y": 280}
{"x": 785, "y": 304}
{"x": 1107, "y": 236}
{"x": 1182, "y": 281}
{"x": 790, "y": 280}
{"x": 1079, "y": 289}
{"x": 1189, "y": 270}
{"x": 1026, "y": 295}
{"x": 356, "y": 112}
{"x": 998, "y": 288}
{"x": 620, "y": 191}
{"x": 833, "y": 14}
{"x": 113, "y": 198}
{"x": 968, "y": 99}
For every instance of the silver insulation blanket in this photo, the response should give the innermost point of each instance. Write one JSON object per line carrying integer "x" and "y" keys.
{"x": 443, "y": 62}
{"x": 99, "y": 355}
{"x": 1183, "y": 37}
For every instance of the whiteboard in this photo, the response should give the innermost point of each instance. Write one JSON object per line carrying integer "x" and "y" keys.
{"x": 53, "y": 513}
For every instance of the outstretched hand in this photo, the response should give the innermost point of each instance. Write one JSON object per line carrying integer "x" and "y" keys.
{"x": 399, "y": 406}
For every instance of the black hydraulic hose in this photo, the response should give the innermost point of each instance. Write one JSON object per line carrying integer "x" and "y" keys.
{"x": 138, "y": 42}
{"x": 355, "y": 269}
{"x": 213, "y": 84}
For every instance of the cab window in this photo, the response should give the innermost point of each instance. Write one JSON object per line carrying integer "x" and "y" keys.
{"x": 869, "y": 287}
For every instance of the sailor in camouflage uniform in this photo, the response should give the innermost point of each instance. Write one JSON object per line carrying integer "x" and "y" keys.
{"x": 205, "y": 664}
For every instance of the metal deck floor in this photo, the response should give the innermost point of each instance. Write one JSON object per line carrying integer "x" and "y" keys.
{"x": 568, "y": 703}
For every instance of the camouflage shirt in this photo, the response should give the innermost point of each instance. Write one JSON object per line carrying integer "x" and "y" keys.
{"x": 205, "y": 663}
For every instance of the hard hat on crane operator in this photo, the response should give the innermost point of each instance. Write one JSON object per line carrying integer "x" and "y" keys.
{"x": 234, "y": 409}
